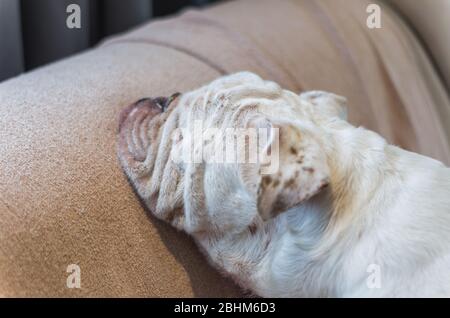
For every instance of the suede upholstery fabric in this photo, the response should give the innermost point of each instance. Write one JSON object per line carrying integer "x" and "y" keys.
{"x": 432, "y": 24}
{"x": 63, "y": 197}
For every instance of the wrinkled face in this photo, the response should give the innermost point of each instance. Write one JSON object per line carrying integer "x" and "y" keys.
{"x": 229, "y": 155}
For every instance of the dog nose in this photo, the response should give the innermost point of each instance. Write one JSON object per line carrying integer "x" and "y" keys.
{"x": 164, "y": 102}
{"x": 147, "y": 106}
{"x": 154, "y": 104}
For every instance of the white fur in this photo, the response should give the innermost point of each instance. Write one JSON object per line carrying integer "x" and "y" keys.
{"x": 383, "y": 207}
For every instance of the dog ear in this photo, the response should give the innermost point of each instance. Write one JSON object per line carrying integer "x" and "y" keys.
{"x": 293, "y": 168}
{"x": 327, "y": 104}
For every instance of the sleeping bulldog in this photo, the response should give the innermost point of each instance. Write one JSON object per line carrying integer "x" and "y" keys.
{"x": 285, "y": 196}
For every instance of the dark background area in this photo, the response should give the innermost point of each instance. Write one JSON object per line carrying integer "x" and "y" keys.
{"x": 34, "y": 32}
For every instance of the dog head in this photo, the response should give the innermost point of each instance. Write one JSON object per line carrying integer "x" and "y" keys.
{"x": 228, "y": 155}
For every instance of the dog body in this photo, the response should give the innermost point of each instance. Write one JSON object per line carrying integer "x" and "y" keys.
{"x": 344, "y": 214}
{"x": 385, "y": 212}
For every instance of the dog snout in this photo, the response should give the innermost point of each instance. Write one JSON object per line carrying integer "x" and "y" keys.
{"x": 164, "y": 102}
{"x": 150, "y": 107}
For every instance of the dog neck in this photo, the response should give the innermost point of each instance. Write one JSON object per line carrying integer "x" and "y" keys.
{"x": 334, "y": 217}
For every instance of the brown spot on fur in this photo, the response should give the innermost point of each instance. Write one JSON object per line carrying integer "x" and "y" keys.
{"x": 266, "y": 180}
{"x": 276, "y": 183}
{"x": 241, "y": 267}
{"x": 252, "y": 228}
{"x": 290, "y": 183}
{"x": 278, "y": 207}
{"x": 300, "y": 159}
{"x": 174, "y": 214}
{"x": 293, "y": 151}
{"x": 308, "y": 169}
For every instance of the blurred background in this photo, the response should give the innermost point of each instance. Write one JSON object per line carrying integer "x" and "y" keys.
{"x": 34, "y": 32}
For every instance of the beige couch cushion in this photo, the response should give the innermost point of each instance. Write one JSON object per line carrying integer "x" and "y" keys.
{"x": 63, "y": 197}
{"x": 430, "y": 20}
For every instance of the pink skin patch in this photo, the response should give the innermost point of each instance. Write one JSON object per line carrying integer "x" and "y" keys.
{"x": 133, "y": 128}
